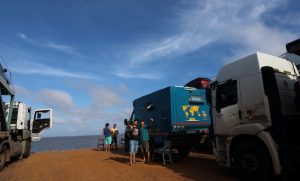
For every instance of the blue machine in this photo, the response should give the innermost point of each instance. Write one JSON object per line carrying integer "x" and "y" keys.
{"x": 180, "y": 114}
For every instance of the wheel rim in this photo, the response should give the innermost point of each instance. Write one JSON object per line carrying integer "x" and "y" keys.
{"x": 249, "y": 162}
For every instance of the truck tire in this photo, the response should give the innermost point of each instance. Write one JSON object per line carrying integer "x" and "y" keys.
{"x": 252, "y": 162}
{"x": 184, "y": 151}
{"x": 27, "y": 149}
{"x": 2, "y": 157}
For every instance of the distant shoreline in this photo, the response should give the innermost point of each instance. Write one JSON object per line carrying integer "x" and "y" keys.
{"x": 67, "y": 143}
{"x": 78, "y": 149}
{"x": 74, "y": 136}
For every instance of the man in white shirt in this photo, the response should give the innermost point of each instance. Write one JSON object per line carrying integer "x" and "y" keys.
{"x": 114, "y": 134}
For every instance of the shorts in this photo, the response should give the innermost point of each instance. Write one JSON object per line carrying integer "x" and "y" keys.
{"x": 145, "y": 146}
{"x": 133, "y": 146}
{"x": 108, "y": 140}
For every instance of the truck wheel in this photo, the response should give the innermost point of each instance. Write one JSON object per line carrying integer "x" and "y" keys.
{"x": 27, "y": 149}
{"x": 2, "y": 157}
{"x": 252, "y": 162}
{"x": 184, "y": 151}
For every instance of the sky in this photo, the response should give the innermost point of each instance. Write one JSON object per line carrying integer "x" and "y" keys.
{"x": 88, "y": 60}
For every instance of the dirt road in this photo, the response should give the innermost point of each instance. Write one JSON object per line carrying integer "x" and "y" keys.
{"x": 89, "y": 164}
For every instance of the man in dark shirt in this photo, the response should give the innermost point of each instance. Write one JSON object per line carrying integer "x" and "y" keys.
{"x": 134, "y": 143}
{"x": 127, "y": 134}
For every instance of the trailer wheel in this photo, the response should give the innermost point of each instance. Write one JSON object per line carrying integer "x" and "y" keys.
{"x": 27, "y": 149}
{"x": 2, "y": 157}
{"x": 252, "y": 162}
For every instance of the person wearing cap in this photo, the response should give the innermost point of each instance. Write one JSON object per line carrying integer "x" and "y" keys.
{"x": 134, "y": 142}
{"x": 107, "y": 135}
{"x": 144, "y": 132}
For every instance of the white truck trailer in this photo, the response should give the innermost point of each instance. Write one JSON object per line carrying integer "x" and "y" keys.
{"x": 255, "y": 125}
{"x": 19, "y": 125}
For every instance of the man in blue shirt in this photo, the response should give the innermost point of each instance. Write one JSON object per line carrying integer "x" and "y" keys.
{"x": 107, "y": 135}
{"x": 144, "y": 135}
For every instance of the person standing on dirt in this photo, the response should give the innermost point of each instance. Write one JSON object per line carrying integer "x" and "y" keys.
{"x": 114, "y": 134}
{"x": 134, "y": 142}
{"x": 107, "y": 135}
{"x": 127, "y": 134}
{"x": 144, "y": 135}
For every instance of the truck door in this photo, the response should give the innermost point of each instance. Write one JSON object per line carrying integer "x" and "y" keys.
{"x": 226, "y": 109}
{"x": 252, "y": 106}
{"x": 42, "y": 119}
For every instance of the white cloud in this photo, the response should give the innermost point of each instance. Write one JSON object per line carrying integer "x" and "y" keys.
{"x": 123, "y": 87}
{"x": 28, "y": 68}
{"x": 63, "y": 48}
{"x": 48, "y": 44}
{"x": 103, "y": 97}
{"x": 57, "y": 98}
{"x": 24, "y": 37}
{"x": 134, "y": 74}
{"x": 200, "y": 23}
{"x": 259, "y": 38}
{"x": 288, "y": 18}
{"x": 169, "y": 47}
{"x": 21, "y": 91}
{"x": 105, "y": 106}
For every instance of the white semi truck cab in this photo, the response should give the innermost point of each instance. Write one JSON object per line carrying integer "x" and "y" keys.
{"x": 255, "y": 127}
{"x": 25, "y": 120}
{"x": 19, "y": 125}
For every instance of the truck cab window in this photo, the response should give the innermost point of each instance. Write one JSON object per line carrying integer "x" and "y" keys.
{"x": 42, "y": 115}
{"x": 14, "y": 116}
{"x": 227, "y": 94}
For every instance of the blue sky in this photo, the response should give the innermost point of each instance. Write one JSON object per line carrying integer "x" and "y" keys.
{"x": 88, "y": 59}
